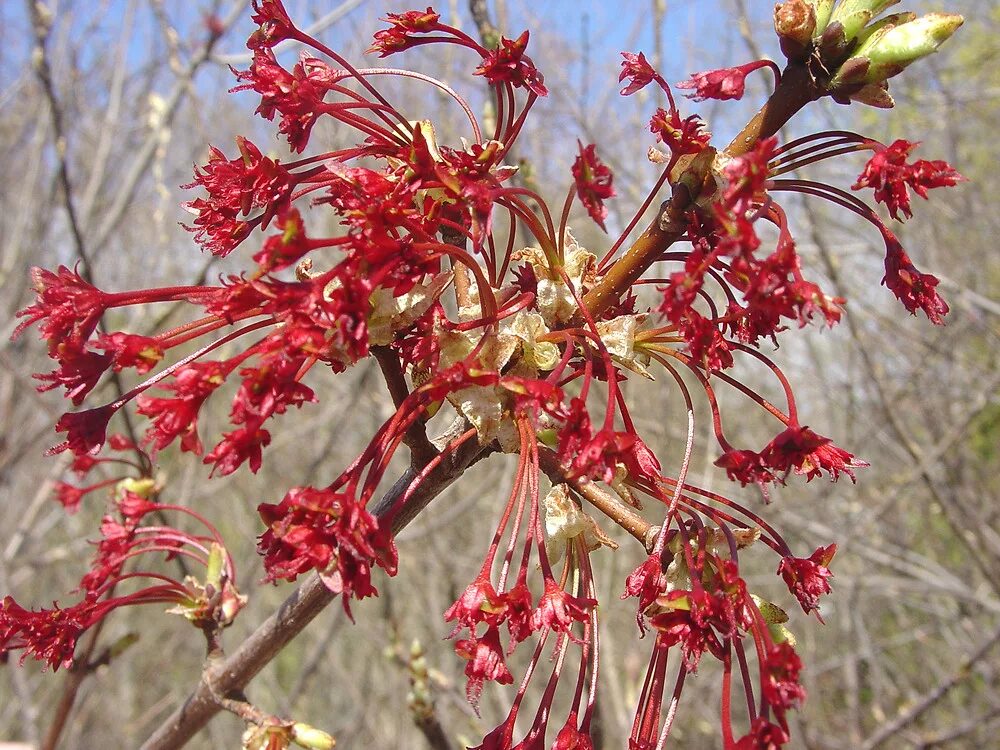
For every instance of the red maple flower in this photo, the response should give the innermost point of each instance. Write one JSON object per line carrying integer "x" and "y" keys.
{"x": 807, "y": 577}
{"x": 518, "y": 610}
{"x": 297, "y": 95}
{"x": 637, "y": 70}
{"x": 78, "y": 372}
{"x": 270, "y": 388}
{"x": 177, "y": 416}
{"x": 725, "y": 83}
{"x": 327, "y": 531}
{"x": 593, "y": 183}
{"x": 678, "y": 627}
{"x": 133, "y": 506}
{"x": 85, "y": 430}
{"x": 485, "y": 662}
{"x": 831, "y": 459}
{"x": 67, "y": 307}
{"x": 478, "y": 603}
{"x": 131, "y": 350}
{"x": 914, "y": 289}
{"x": 746, "y": 176}
{"x": 49, "y": 635}
{"x": 70, "y": 496}
{"x": 243, "y": 445}
{"x": 889, "y": 174}
{"x": 808, "y": 453}
{"x": 398, "y": 36}
{"x": 763, "y": 735}
{"x": 508, "y": 64}
{"x": 745, "y": 467}
{"x": 572, "y": 737}
{"x": 594, "y": 455}
{"x": 781, "y": 686}
{"x": 707, "y": 347}
{"x": 274, "y": 22}
{"x": 117, "y": 536}
{"x": 646, "y": 583}
{"x": 687, "y": 136}
{"x": 236, "y": 188}
{"x": 558, "y": 609}
{"x": 289, "y": 246}
{"x": 791, "y": 448}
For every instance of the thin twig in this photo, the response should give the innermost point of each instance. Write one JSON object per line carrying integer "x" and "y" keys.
{"x": 415, "y": 438}
{"x": 906, "y": 718}
{"x": 297, "y": 611}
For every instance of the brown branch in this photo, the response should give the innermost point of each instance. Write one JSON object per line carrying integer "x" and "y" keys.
{"x": 297, "y": 611}
{"x": 792, "y": 94}
{"x": 415, "y": 438}
{"x": 432, "y": 730}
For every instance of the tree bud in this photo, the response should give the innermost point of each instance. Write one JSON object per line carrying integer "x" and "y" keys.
{"x": 794, "y": 22}
{"x": 901, "y": 45}
{"x": 311, "y": 737}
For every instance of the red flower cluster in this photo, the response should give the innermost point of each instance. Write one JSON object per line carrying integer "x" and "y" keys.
{"x": 527, "y": 347}
{"x": 508, "y": 64}
{"x": 892, "y": 177}
{"x": 807, "y": 577}
{"x": 593, "y": 183}
{"x": 329, "y": 532}
{"x": 51, "y": 635}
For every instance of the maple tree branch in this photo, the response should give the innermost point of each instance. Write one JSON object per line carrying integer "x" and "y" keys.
{"x": 643, "y": 531}
{"x": 231, "y": 674}
{"x": 795, "y": 91}
{"x": 311, "y": 597}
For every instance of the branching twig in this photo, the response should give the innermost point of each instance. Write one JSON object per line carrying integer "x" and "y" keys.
{"x": 297, "y": 611}
{"x": 961, "y": 673}
{"x": 605, "y": 502}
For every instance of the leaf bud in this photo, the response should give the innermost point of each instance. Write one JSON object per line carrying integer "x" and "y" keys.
{"x": 892, "y": 51}
{"x": 311, "y": 737}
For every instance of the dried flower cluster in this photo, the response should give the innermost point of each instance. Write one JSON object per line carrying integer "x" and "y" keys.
{"x": 527, "y": 343}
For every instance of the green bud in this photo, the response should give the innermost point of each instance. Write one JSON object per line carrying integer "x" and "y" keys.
{"x": 549, "y": 437}
{"x": 854, "y": 15}
{"x": 852, "y": 23}
{"x": 781, "y": 634}
{"x": 311, "y": 737}
{"x": 144, "y": 487}
{"x": 849, "y": 7}
{"x": 901, "y": 45}
{"x": 772, "y": 613}
{"x": 881, "y": 26}
{"x": 213, "y": 571}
